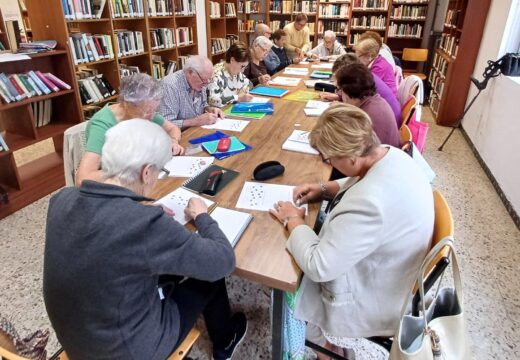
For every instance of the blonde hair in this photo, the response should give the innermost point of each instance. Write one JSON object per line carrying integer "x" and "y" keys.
{"x": 344, "y": 130}
{"x": 367, "y": 46}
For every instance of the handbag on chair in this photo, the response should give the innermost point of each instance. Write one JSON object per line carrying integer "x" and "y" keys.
{"x": 440, "y": 331}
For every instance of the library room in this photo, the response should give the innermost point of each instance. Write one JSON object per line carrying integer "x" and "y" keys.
{"x": 259, "y": 179}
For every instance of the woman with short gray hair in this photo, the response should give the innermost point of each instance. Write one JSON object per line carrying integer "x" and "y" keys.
{"x": 139, "y": 97}
{"x": 256, "y": 71}
{"x": 125, "y": 278}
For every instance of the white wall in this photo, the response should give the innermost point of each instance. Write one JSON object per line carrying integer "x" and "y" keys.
{"x": 493, "y": 123}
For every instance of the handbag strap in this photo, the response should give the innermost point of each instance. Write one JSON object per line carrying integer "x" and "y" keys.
{"x": 447, "y": 241}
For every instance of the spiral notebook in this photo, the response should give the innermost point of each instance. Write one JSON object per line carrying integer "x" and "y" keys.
{"x": 197, "y": 182}
{"x": 233, "y": 223}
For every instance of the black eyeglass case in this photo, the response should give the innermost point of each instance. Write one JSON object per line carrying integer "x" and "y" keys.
{"x": 268, "y": 170}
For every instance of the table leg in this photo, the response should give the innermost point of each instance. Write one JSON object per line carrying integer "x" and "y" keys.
{"x": 277, "y": 322}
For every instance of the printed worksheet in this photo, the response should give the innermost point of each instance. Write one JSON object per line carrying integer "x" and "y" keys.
{"x": 260, "y": 196}
{"x": 315, "y": 108}
{"x": 177, "y": 200}
{"x": 296, "y": 71}
{"x": 228, "y": 124}
{"x": 285, "y": 81}
{"x": 299, "y": 142}
{"x": 187, "y": 166}
{"x": 327, "y": 65}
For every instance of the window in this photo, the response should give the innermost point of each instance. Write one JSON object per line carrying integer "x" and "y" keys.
{"x": 511, "y": 39}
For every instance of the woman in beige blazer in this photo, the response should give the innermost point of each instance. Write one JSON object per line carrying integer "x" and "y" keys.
{"x": 359, "y": 268}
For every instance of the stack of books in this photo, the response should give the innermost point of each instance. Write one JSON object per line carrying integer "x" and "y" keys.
{"x": 184, "y": 7}
{"x": 125, "y": 8}
{"x": 16, "y": 87}
{"x": 84, "y": 9}
{"x": 87, "y": 48}
{"x": 160, "y": 8}
{"x": 38, "y": 46}
{"x": 129, "y": 42}
{"x": 162, "y": 38}
{"x": 94, "y": 89}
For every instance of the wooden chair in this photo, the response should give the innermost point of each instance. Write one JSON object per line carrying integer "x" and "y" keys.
{"x": 415, "y": 55}
{"x": 408, "y": 109}
{"x": 405, "y": 134}
{"x": 179, "y": 353}
{"x": 443, "y": 226}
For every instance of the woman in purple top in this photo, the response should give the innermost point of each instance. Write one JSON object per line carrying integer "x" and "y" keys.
{"x": 367, "y": 51}
{"x": 381, "y": 88}
{"x": 356, "y": 86}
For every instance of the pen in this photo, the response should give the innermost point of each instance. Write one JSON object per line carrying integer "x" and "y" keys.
{"x": 212, "y": 207}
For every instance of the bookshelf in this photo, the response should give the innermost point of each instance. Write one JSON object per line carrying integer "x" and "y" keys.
{"x": 250, "y": 13}
{"x": 140, "y": 23}
{"x": 222, "y": 27}
{"x": 28, "y": 182}
{"x": 455, "y": 57}
{"x": 282, "y": 12}
{"x": 3, "y": 34}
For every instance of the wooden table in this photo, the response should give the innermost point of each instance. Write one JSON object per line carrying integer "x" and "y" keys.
{"x": 261, "y": 255}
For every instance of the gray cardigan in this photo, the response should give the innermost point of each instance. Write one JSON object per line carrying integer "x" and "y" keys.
{"x": 104, "y": 252}
{"x": 360, "y": 267}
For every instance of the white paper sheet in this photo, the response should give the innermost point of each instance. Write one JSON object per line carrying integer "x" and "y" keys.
{"x": 315, "y": 108}
{"x": 187, "y": 166}
{"x": 177, "y": 200}
{"x": 327, "y": 65}
{"x": 260, "y": 196}
{"x": 299, "y": 141}
{"x": 285, "y": 81}
{"x": 296, "y": 71}
{"x": 228, "y": 124}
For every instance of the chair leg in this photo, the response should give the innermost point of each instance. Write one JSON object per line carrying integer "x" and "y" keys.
{"x": 324, "y": 351}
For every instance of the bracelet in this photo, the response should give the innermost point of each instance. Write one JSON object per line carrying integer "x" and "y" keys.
{"x": 323, "y": 188}
{"x": 287, "y": 219}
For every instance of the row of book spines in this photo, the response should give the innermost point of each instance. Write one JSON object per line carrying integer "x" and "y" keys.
{"x": 82, "y": 9}
{"x": 400, "y": 30}
{"x": 87, "y": 48}
{"x": 369, "y": 21}
{"x": 42, "y": 112}
{"x": 127, "y": 8}
{"x": 16, "y": 87}
{"x": 94, "y": 89}
{"x": 160, "y": 68}
{"x": 162, "y": 38}
{"x": 135, "y": 8}
{"x": 370, "y": 4}
{"x": 406, "y": 11}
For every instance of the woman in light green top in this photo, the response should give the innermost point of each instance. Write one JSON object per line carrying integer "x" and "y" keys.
{"x": 139, "y": 98}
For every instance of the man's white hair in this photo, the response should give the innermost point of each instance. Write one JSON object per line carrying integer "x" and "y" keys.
{"x": 131, "y": 145}
{"x": 263, "y": 42}
{"x": 329, "y": 34}
{"x": 198, "y": 63}
{"x": 261, "y": 28}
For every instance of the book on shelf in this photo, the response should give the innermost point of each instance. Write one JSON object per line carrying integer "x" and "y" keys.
{"x": 184, "y": 7}
{"x": 126, "y": 70}
{"x": 249, "y": 7}
{"x": 160, "y": 8}
{"x": 452, "y": 17}
{"x": 184, "y": 35}
{"x": 13, "y": 34}
{"x": 182, "y": 61}
{"x": 304, "y": 7}
{"x": 86, "y": 47}
{"x": 126, "y": 8}
{"x": 405, "y": 30}
{"x": 409, "y": 12}
{"x": 3, "y": 144}
{"x": 450, "y": 44}
{"x": 162, "y": 68}
{"x": 339, "y": 27}
{"x": 129, "y": 42}
{"x": 334, "y": 10}
{"x": 370, "y": 4}
{"x": 83, "y": 9}
{"x": 247, "y": 25}
{"x": 369, "y": 22}
{"x": 93, "y": 87}
{"x": 42, "y": 112}
{"x": 230, "y": 9}
{"x": 214, "y": 9}
{"x": 162, "y": 38}
{"x": 281, "y": 7}
{"x": 16, "y": 87}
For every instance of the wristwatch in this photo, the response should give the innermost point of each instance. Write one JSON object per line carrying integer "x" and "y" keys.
{"x": 287, "y": 219}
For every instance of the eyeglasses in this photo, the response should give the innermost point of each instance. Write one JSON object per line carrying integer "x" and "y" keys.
{"x": 204, "y": 82}
{"x": 166, "y": 171}
{"x": 338, "y": 91}
{"x": 324, "y": 159}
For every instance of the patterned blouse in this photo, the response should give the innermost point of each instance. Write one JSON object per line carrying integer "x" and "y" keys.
{"x": 223, "y": 86}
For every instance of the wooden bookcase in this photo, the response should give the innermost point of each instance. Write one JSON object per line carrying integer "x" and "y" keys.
{"x": 108, "y": 24}
{"x": 255, "y": 14}
{"x": 274, "y": 12}
{"x": 29, "y": 182}
{"x": 3, "y": 35}
{"x": 454, "y": 61}
{"x": 220, "y": 27}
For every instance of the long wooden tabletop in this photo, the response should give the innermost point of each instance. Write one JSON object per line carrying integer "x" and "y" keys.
{"x": 261, "y": 254}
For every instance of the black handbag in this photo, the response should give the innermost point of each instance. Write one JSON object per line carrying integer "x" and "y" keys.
{"x": 510, "y": 65}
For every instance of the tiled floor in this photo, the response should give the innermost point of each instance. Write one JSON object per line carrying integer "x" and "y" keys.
{"x": 488, "y": 245}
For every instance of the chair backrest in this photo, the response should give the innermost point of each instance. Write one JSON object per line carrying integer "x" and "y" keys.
{"x": 74, "y": 140}
{"x": 408, "y": 108}
{"x": 405, "y": 134}
{"x": 415, "y": 54}
{"x": 411, "y": 85}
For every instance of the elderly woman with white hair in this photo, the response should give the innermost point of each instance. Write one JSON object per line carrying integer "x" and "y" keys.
{"x": 329, "y": 48}
{"x": 106, "y": 253}
{"x": 256, "y": 71}
{"x": 359, "y": 268}
{"x": 139, "y": 97}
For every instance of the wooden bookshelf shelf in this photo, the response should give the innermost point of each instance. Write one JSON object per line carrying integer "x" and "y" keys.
{"x": 87, "y": 21}
{"x": 129, "y": 19}
{"x": 154, "y": 51}
{"x": 132, "y": 56}
{"x": 104, "y": 101}
{"x": 92, "y": 63}
{"x": 407, "y": 20}
{"x": 169, "y": 17}
{"x": 34, "y": 99}
{"x": 47, "y": 53}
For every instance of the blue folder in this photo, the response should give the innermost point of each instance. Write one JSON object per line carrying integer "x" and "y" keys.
{"x": 269, "y": 91}
{"x": 266, "y": 108}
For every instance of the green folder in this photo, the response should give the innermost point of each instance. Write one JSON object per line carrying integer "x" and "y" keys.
{"x": 211, "y": 146}
{"x": 249, "y": 115}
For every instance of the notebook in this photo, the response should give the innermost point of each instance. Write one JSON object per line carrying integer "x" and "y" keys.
{"x": 233, "y": 223}
{"x": 317, "y": 74}
{"x": 247, "y": 115}
{"x": 187, "y": 166}
{"x": 299, "y": 142}
{"x": 177, "y": 200}
{"x": 285, "y": 81}
{"x": 197, "y": 182}
{"x": 211, "y": 146}
{"x": 268, "y": 91}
